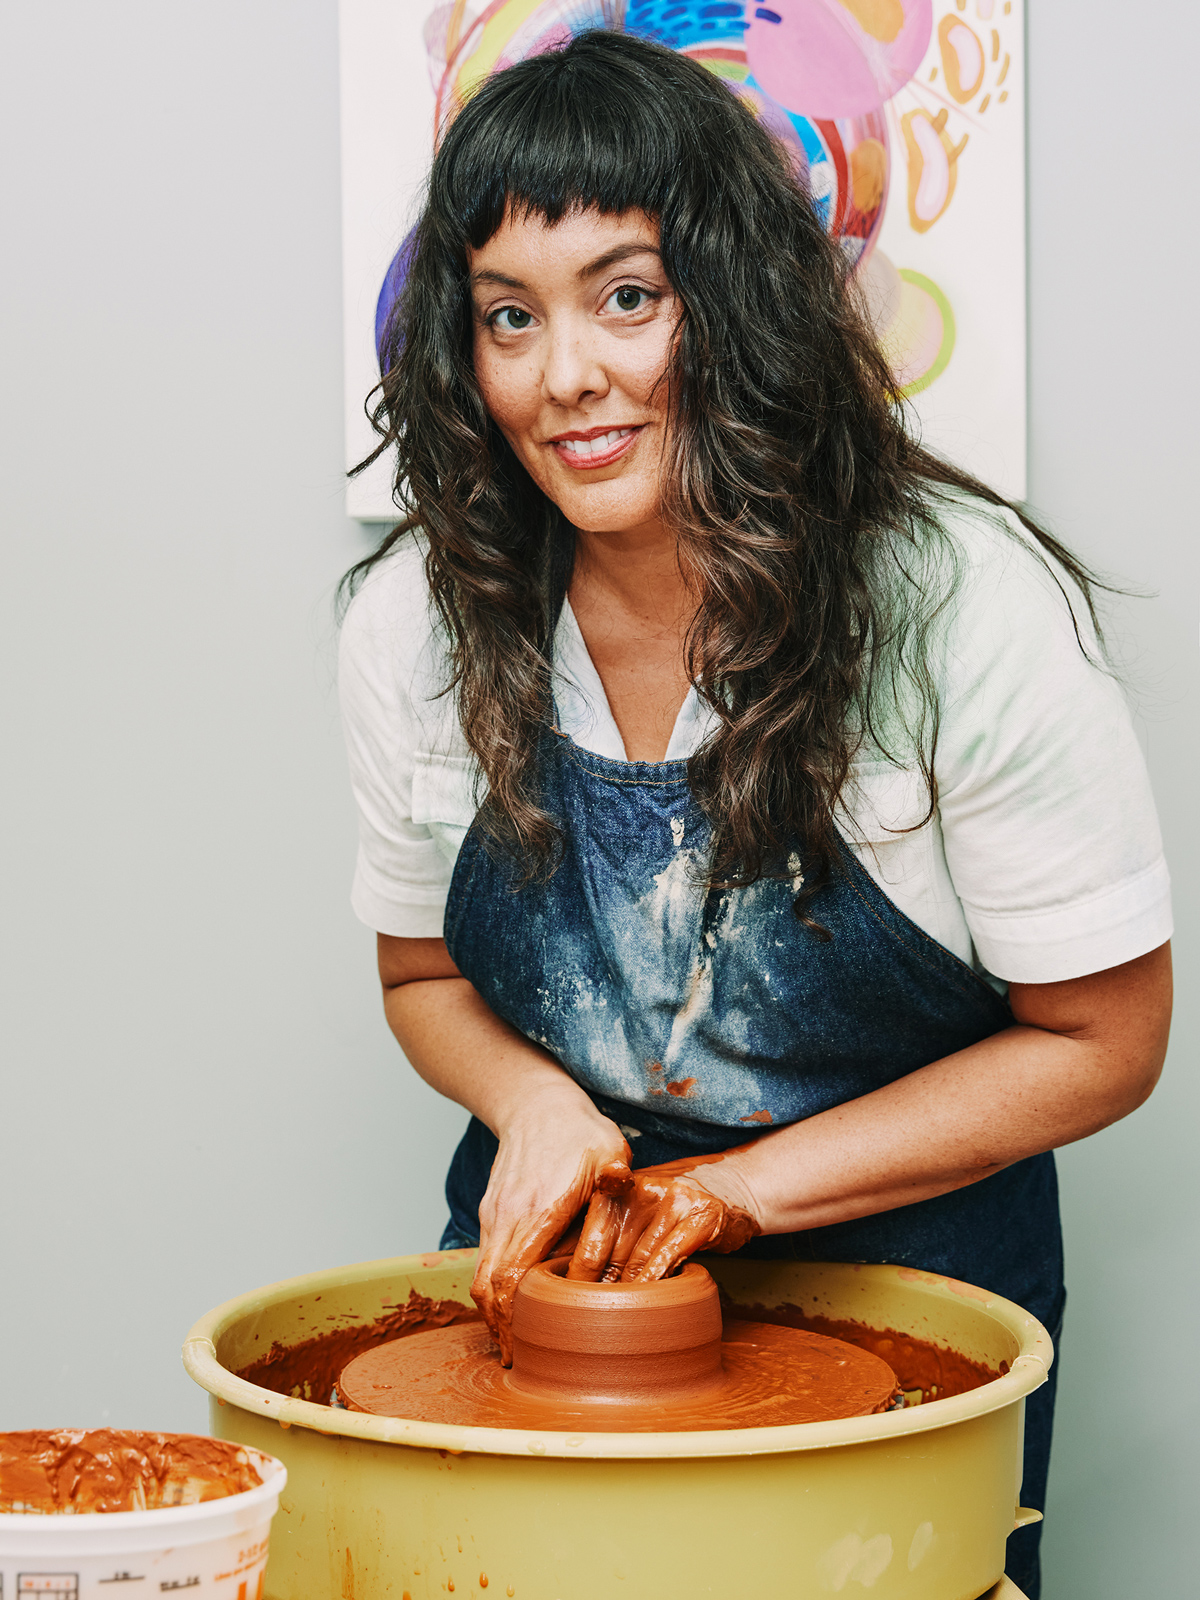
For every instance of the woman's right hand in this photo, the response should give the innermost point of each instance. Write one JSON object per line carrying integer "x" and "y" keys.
{"x": 556, "y": 1151}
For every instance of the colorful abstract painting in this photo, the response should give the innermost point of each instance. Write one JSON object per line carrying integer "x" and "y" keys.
{"x": 904, "y": 120}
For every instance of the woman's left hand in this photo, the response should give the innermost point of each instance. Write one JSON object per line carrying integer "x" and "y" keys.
{"x": 672, "y": 1211}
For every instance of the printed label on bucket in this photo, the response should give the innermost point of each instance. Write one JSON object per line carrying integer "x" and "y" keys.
{"x": 232, "y": 1568}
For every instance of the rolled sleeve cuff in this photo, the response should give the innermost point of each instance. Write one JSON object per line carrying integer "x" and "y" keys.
{"x": 1124, "y": 921}
{"x": 412, "y": 914}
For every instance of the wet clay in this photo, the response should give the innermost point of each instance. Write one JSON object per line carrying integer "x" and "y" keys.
{"x": 938, "y": 1373}
{"x": 620, "y": 1358}
{"x": 309, "y": 1369}
{"x": 77, "y": 1470}
{"x": 616, "y": 1343}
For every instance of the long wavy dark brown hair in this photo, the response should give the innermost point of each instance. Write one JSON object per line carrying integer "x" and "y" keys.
{"x": 808, "y": 518}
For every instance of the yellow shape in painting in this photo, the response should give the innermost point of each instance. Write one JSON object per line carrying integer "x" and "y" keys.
{"x": 868, "y": 174}
{"x": 881, "y": 19}
{"x": 919, "y": 342}
{"x": 454, "y": 28}
{"x": 962, "y": 58}
{"x": 730, "y": 71}
{"x": 932, "y": 166}
{"x": 495, "y": 34}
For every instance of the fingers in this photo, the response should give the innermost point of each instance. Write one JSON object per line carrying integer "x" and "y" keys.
{"x": 506, "y": 1277}
{"x": 566, "y": 1245}
{"x": 692, "y": 1233}
{"x": 707, "y": 1223}
{"x": 505, "y": 1284}
{"x": 635, "y": 1217}
{"x": 497, "y": 1273}
{"x": 621, "y": 1235}
{"x": 490, "y": 1288}
{"x": 481, "y": 1289}
{"x": 615, "y": 1178}
{"x": 687, "y": 1222}
{"x": 601, "y": 1229}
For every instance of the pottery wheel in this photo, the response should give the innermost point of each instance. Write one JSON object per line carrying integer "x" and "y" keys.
{"x": 619, "y": 1358}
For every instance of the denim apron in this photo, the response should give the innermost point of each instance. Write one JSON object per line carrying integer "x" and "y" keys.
{"x": 697, "y": 1020}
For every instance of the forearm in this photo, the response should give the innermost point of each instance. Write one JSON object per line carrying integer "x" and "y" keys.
{"x": 1015, "y": 1094}
{"x": 465, "y": 1051}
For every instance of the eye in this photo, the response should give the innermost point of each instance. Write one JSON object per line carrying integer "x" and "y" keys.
{"x": 511, "y": 318}
{"x": 627, "y": 298}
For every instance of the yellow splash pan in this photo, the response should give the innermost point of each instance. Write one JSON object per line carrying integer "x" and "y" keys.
{"x": 911, "y": 1505}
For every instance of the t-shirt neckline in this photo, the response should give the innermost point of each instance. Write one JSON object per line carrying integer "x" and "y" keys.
{"x": 585, "y": 715}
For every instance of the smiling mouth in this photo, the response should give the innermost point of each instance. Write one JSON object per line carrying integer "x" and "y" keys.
{"x": 597, "y": 449}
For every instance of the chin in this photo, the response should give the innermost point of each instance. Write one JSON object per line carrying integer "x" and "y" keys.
{"x": 597, "y": 512}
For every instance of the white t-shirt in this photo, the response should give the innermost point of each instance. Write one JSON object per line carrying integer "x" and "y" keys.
{"x": 1043, "y": 861}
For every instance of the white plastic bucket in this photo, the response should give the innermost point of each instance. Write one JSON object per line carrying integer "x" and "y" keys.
{"x": 215, "y": 1549}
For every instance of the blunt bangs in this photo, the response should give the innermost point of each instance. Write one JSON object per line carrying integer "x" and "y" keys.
{"x": 594, "y": 125}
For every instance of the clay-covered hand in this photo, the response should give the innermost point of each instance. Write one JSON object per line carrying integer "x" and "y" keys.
{"x": 667, "y": 1214}
{"x": 552, "y": 1159}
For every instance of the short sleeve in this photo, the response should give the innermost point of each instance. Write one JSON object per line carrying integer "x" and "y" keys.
{"x": 401, "y": 876}
{"x": 1049, "y": 826}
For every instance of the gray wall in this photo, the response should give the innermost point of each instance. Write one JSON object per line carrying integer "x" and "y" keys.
{"x": 1113, "y": 426}
{"x": 198, "y": 1093}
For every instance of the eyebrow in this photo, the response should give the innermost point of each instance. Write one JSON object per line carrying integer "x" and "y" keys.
{"x": 610, "y": 258}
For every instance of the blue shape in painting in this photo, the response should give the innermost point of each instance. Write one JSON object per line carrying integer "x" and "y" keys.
{"x": 681, "y": 27}
{"x": 393, "y": 282}
{"x": 816, "y": 154}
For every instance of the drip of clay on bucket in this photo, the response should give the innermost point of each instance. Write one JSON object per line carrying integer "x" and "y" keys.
{"x": 627, "y": 1358}
{"x": 80, "y": 1470}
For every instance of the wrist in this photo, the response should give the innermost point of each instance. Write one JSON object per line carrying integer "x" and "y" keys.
{"x": 735, "y": 1182}
{"x": 541, "y": 1099}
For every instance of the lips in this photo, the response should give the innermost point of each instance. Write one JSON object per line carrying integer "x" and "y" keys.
{"x": 598, "y": 447}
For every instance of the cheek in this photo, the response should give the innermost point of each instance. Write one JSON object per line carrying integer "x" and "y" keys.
{"x": 486, "y": 378}
{"x": 645, "y": 374}
{"x": 506, "y": 390}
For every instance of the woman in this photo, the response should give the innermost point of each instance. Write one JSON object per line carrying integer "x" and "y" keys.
{"x": 742, "y": 799}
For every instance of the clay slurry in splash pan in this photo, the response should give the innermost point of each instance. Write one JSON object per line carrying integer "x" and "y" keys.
{"x": 620, "y": 1358}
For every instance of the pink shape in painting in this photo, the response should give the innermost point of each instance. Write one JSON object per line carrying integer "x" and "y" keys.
{"x": 836, "y": 58}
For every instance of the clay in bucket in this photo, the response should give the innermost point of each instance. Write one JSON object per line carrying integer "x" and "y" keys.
{"x": 620, "y": 1358}
{"x": 81, "y": 1470}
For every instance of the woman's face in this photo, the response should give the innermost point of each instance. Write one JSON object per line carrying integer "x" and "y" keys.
{"x": 573, "y": 331}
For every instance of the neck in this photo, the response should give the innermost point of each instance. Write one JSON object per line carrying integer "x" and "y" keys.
{"x": 635, "y": 571}
{"x": 634, "y": 610}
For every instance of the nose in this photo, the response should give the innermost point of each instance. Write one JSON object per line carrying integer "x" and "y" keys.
{"x": 573, "y": 371}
